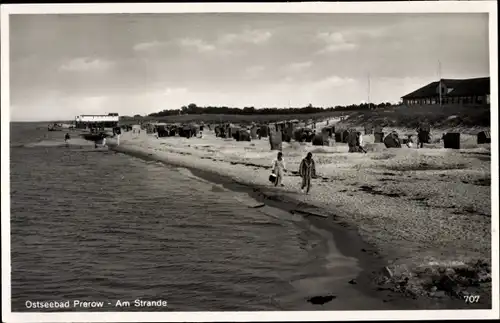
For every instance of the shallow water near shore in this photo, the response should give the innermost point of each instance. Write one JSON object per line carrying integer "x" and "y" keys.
{"x": 106, "y": 227}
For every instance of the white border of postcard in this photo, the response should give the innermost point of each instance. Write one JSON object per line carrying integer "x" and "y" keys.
{"x": 345, "y": 7}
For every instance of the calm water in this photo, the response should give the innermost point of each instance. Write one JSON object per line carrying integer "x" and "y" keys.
{"x": 101, "y": 226}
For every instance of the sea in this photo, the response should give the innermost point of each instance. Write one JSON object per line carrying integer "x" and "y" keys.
{"x": 98, "y": 226}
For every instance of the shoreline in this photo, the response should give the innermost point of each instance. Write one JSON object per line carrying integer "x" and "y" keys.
{"x": 371, "y": 259}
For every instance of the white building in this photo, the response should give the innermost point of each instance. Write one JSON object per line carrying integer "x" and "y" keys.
{"x": 97, "y": 121}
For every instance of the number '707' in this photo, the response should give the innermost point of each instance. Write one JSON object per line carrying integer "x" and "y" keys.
{"x": 472, "y": 299}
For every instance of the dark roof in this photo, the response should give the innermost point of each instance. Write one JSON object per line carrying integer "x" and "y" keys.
{"x": 426, "y": 91}
{"x": 476, "y": 86}
{"x": 98, "y": 115}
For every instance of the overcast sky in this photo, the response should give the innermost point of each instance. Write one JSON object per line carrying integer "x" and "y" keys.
{"x": 66, "y": 65}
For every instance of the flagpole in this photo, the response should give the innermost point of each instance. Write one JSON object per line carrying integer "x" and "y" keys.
{"x": 440, "y": 85}
{"x": 369, "y": 105}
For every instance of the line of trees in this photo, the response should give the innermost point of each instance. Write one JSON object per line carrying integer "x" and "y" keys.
{"x": 310, "y": 109}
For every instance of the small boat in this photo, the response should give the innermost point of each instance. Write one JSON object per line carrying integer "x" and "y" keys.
{"x": 94, "y": 136}
{"x": 55, "y": 127}
{"x": 67, "y": 126}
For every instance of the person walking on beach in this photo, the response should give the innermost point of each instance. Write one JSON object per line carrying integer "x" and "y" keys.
{"x": 423, "y": 135}
{"x": 117, "y": 131}
{"x": 307, "y": 170}
{"x": 279, "y": 168}
{"x": 409, "y": 142}
{"x": 359, "y": 142}
{"x": 103, "y": 142}
{"x": 66, "y": 139}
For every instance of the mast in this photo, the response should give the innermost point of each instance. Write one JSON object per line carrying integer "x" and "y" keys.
{"x": 440, "y": 85}
{"x": 369, "y": 103}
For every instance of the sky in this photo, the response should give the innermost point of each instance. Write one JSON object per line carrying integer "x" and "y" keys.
{"x": 66, "y": 65}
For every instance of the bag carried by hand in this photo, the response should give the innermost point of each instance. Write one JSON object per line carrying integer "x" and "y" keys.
{"x": 272, "y": 178}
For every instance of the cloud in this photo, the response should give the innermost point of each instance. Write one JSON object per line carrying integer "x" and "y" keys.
{"x": 94, "y": 104}
{"x": 348, "y": 39}
{"x": 147, "y": 46}
{"x": 331, "y": 37}
{"x": 175, "y": 91}
{"x": 247, "y": 36}
{"x": 298, "y": 67}
{"x": 338, "y": 47}
{"x": 331, "y": 82}
{"x": 334, "y": 42}
{"x": 197, "y": 44}
{"x": 375, "y": 32}
{"x": 254, "y": 71}
{"x": 86, "y": 64}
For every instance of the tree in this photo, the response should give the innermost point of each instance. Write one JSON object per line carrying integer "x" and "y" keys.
{"x": 309, "y": 109}
{"x": 248, "y": 110}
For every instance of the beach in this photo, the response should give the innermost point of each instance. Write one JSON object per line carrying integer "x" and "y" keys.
{"x": 423, "y": 213}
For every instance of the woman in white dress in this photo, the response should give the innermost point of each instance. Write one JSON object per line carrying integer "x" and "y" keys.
{"x": 278, "y": 167}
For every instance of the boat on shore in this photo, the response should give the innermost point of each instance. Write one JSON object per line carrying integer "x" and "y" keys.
{"x": 55, "y": 127}
{"x": 95, "y": 136}
{"x": 60, "y": 126}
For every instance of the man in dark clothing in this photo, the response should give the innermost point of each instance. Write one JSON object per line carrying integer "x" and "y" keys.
{"x": 307, "y": 170}
{"x": 423, "y": 136}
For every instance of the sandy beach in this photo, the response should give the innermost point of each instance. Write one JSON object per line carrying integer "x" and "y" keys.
{"x": 426, "y": 212}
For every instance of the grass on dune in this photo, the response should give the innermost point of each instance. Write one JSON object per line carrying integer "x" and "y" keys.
{"x": 444, "y": 117}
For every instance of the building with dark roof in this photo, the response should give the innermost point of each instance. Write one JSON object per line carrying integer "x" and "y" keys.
{"x": 468, "y": 91}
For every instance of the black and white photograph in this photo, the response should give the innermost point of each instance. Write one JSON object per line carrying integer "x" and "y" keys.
{"x": 233, "y": 162}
